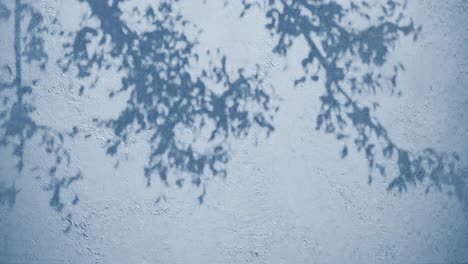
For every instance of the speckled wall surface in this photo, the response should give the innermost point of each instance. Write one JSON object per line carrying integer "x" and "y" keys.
{"x": 233, "y": 131}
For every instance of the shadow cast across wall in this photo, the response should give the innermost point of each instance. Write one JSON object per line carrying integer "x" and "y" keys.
{"x": 192, "y": 111}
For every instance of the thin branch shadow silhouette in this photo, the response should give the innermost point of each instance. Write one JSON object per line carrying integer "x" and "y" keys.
{"x": 17, "y": 127}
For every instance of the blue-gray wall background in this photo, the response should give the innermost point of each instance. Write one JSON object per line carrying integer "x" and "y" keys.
{"x": 287, "y": 198}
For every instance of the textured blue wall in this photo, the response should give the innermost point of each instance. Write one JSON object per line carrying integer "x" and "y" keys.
{"x": 135, "y": 135}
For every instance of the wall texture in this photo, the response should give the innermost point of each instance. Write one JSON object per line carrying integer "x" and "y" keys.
{"x": 287, "y": 198}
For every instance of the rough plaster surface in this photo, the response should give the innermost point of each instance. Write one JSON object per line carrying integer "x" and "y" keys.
{"x": 288, "y": 198}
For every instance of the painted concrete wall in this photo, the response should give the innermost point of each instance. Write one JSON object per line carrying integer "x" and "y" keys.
{"x": 287, "y": 198}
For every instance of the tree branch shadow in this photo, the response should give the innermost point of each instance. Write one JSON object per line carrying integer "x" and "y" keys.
{"x": 190, "y": 114}
{"x": 349, "y": 44}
